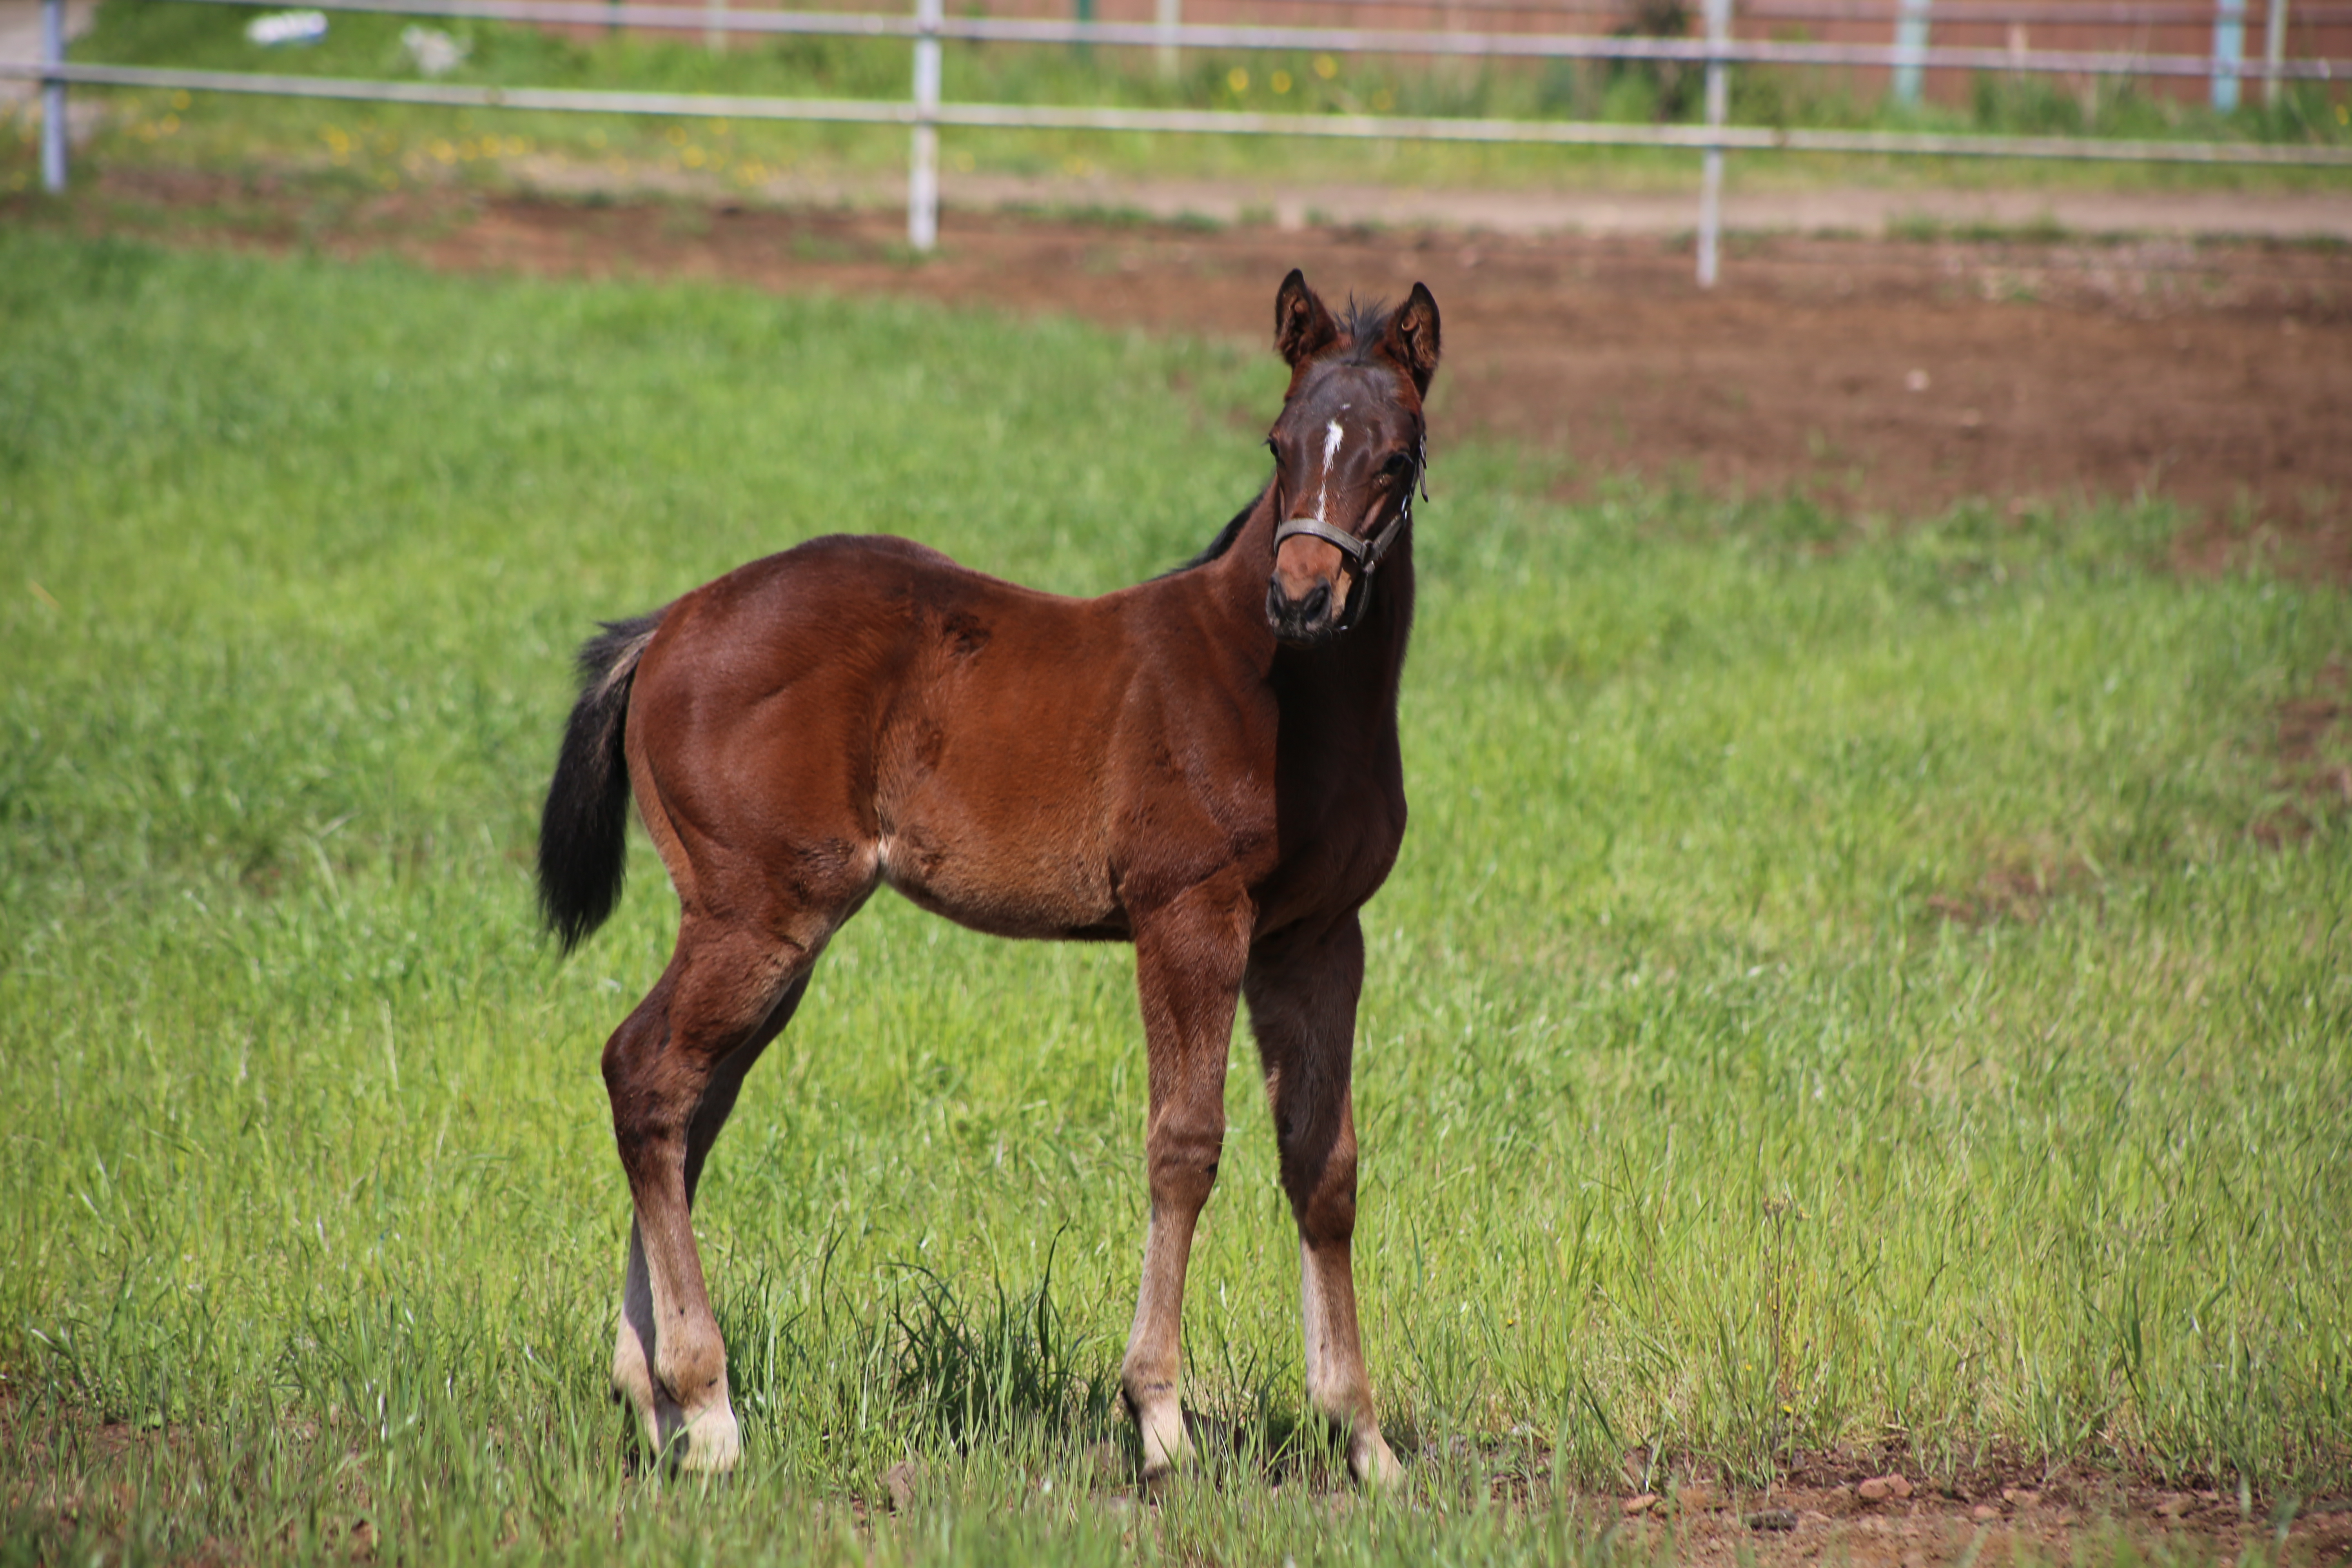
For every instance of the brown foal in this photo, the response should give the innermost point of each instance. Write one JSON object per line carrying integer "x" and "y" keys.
{"x": 1204, "y": 764}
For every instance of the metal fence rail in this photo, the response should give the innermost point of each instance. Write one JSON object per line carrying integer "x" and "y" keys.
{"x": 924, "y": 112}
{"x": 1194, "y": 121}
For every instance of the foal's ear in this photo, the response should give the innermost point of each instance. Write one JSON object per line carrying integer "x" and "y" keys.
{"x": 1411, "y": 337}
{"x": 1302, "y": 327}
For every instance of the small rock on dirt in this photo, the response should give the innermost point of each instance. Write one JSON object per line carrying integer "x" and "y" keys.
{"x": 2174, "y": 1506}
{"x": 1879, "y": 1489}
{"x": 1984, "y": 1512}
{"x": 900, "y": 1480}
{"x": 2019, "y": 1497}
{"x": 1773, "y": 1518}
{"x": 1640, "y": 1503}
{"x": 1697, "y": 1499}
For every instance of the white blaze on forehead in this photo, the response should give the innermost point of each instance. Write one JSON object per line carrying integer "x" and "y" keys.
{"x": 1332, "y": 437}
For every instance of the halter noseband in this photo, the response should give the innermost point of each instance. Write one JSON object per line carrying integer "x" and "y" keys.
{"x": 1363, "y": 554}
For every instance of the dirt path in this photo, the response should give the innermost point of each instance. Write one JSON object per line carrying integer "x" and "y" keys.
{"x": 1873, "y": 1519}
{"x": 1868, "y": 377}
{"x": 1764, "y": 205}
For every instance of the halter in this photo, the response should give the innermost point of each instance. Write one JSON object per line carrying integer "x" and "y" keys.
{"x": 1363, "y": 554}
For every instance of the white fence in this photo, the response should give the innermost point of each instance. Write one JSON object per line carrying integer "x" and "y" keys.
{"x": 924, "y": 112}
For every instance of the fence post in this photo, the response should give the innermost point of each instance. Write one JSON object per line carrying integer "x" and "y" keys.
{"x": 1910, "y": 32}
{"x": 53, "y": 98}
{"x": 2273, "y": 50}
{"x": 2229, "y": 48}
{"x": 923, "y": 173}
{"x": 1718, "y": 105}
{"x": 1170, "y": 14}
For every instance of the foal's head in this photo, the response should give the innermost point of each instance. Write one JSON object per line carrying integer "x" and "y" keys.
{"x": 1348, "y": 451}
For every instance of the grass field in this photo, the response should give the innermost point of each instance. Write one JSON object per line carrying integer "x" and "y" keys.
{"x": 375, "y": 147}
{"x": 1881, "y": 997}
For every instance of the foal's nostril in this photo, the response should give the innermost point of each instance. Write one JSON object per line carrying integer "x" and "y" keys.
{"x": 1296, "y": 616}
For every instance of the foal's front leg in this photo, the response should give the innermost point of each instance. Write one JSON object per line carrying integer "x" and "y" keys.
{"x": 1302, "y": 988}
{"x": 1189, "y": 957}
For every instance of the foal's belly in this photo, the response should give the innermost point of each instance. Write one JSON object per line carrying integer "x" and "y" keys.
{"x": 999, "y": 826}
{"x": 1022, "y": 884}
{"x": 994, "y": 752}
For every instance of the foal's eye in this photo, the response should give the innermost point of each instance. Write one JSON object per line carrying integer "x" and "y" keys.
{"x": 1396, "y": 469}
{"x": 1272, "y": 447}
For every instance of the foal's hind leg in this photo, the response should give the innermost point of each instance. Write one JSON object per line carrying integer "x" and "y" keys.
{"x": 1302, "y": 992}
{"x": 634, "y": 1355}
{"x": 672, "y": 1070}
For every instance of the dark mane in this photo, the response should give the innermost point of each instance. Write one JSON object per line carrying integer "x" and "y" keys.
{"x": 1224, "y": 539}
{"x": 1365, "y": 322}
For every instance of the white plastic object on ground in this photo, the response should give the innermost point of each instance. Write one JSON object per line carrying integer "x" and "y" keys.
{"x": 286, "y": 28}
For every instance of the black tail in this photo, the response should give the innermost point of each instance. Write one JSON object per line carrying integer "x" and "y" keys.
{"x": 583, "y": 833}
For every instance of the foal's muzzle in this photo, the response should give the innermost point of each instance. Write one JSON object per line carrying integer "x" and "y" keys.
{"x": 1307, "y": 599}
{"x": 1305, "y": 606}
{"x": 1304, "y": 620}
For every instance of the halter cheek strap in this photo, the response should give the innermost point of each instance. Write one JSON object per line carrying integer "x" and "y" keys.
{"x": 1363, "y": 554}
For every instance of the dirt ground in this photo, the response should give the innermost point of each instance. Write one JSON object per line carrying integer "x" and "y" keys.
{"x": 1888, "y": 1520}
{"x": 1869, "y": 375}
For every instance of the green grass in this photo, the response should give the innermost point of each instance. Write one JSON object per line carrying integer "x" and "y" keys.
{"x": 1690, "y": 1122}
{"x": 380, "y": 146}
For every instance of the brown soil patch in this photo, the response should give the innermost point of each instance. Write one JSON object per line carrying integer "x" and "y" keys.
{"x": 2017, "y": 888}
{"x": 2315, "y": 756}
{"x": 2047, "y": 1519}
{"x": 1869, "y": 375}
{"x": 1881, "y": 1509}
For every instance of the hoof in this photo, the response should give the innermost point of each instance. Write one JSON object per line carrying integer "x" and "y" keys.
{"x": 709, "y": 1444}
{"x": 1373, "y": 1466}
{"x": 1167, "y": 1446}
{"x": 633, "y": 1389}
